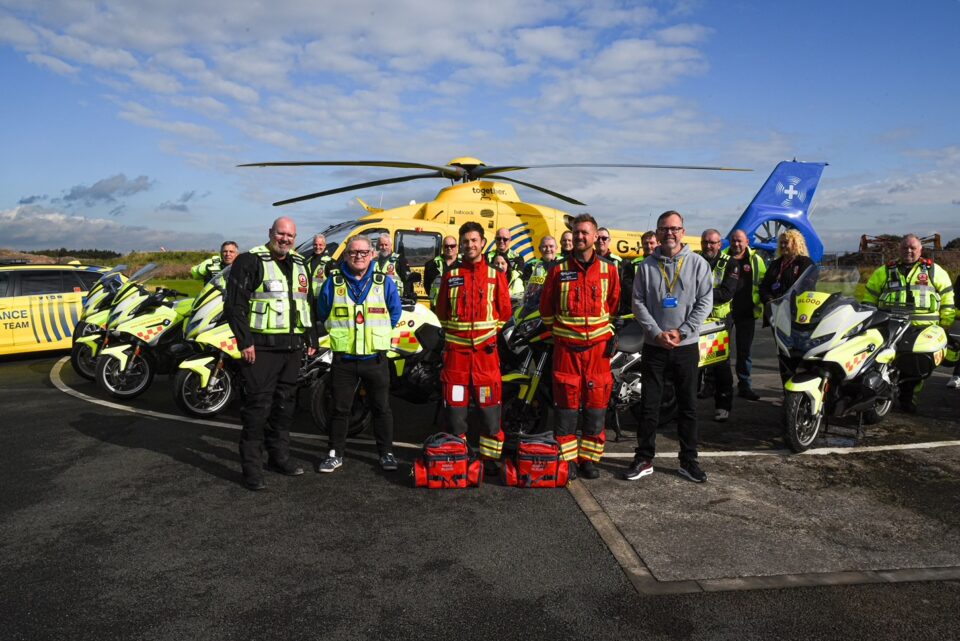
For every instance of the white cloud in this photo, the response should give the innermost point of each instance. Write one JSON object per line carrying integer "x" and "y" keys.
{"x": 17, "y": 33}
{"x": 53, "y": 64}
{"x": 156, "y": 81}
{"x": 683, "y": 34}
{"x": 140, "y": 115}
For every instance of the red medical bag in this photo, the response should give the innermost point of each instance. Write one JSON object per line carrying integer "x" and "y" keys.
{"x": 447, "y": 462}
{"x": 537, "y": 463}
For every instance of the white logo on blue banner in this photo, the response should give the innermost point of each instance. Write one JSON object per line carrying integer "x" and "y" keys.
{"x": 790, "y": 191}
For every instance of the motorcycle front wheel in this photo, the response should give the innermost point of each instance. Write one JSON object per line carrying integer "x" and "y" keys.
{"x": 881, "y": 409}
{"x": 81, "y": 356}
{"x": 321, "y": 408}
{"x": 802, "y": 424}
{"x": 194, "y": 400}
{"x": 133, "y": 382}
{"x": 518, "y": 417}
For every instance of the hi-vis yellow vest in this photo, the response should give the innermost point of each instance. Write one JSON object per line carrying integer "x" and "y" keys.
{"x": 271, "y": 311}
{"x": 722, "y": 310}
{"x": 359, "y": 329}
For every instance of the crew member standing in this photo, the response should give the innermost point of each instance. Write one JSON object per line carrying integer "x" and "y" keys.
{"x": 392, "y": 264}
{"x": 648, "y": 242}
{"x": 746, "y": 308}
{"x": 473, "y": 305}
{"x": 211, "y": 267}
{"x": 359, "y": 306}
{"x": 604, "y": 250}
{"x": 433, "y": 270}
{"x": 726, "y": 277}
{"x": 580, "y": 295}
{"x": 566, "y": 245}
{"x": 672, "y": 296}
{"x": 501, "y": 246}
{"x": 268, "y": 308}
{"x": 320, "y": 263}
{"x": 918, "y": 282}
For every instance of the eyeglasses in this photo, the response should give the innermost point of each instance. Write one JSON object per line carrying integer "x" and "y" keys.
{"x": 359, "y": 253}
{"x": 605, "y": 239}
{"x": 503, "y": 239}
{"x": 450, "y": 246}
{"x": 669, "y": 230}
{"x": 712, "y": 242}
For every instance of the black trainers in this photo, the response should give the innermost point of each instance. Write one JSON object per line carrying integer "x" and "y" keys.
{"x": 588, "y": 471}
{"x": 638, "y": 469}
{"x": 749, "y": 394}
{"x": 388, "y": 462}
{"x": 691, "y": 470}
{"x": 288, "y": 468}
{"x": 571, "y": 470}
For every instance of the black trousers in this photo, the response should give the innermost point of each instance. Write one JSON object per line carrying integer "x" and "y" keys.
{"x": 346, "y": 375}
{"x": 720, "y": 378}
{"x": 744, "y": 328}
{"x": 681, "y": 363}
{"x": 269, "y": 386}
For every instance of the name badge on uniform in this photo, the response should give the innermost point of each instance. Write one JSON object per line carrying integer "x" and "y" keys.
{"x": 669, "y": 302}
{"x": 566, "y": 277}
{"x": 455, "y": 281}
{"x": 273, "y": 285}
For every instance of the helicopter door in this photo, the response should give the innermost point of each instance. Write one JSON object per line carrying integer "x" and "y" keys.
{"x": 418, "y": 248}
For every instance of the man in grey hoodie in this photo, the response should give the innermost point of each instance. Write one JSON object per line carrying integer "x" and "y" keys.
{"x": 672, "y": 296}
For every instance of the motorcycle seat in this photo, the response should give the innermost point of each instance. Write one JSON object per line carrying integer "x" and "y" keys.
{"x": 630, "y": 338}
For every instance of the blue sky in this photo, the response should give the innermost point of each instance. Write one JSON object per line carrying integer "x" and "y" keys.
{"x": 124, "y": 121}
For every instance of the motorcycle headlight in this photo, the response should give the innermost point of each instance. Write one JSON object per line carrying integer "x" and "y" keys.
{"x": 525, "y": 331}
{"x": 801, "y": 341}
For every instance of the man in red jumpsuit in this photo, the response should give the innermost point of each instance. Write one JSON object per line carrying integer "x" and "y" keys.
{"x": 473, "y": 304}
{"x": 578, "y": 299}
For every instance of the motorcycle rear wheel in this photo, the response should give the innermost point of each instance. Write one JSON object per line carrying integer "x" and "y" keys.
{"x": 321, "y": 408}
{"x": 801, "y": 425}
{"x": 133, "y": 382}
{"x": 875, "y": 415}
{"x": 202, "y": 403}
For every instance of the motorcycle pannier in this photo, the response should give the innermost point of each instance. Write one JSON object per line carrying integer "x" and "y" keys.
{"x": 447, "y": 462}
{"x": 537, "y": 463}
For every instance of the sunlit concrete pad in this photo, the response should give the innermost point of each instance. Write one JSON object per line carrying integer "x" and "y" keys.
{"x": 774, "y": 515}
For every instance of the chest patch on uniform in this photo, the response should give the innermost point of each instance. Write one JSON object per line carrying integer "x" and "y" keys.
{"x": 377, "y": 310}
{"x": 341, "y": 291}
{"x": 567, "y": 277}
{"x": 273, "y": 286}
{"x": 303, "y": 280}
{"x": 922, "y": 278}
{"x": 455, "y": 281}
{"x": 340, "y": 312}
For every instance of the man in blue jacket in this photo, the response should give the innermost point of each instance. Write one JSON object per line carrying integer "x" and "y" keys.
{"x": 359, "y": 306}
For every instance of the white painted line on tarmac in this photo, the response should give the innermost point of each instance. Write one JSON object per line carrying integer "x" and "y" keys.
{"x": 57, "y": 380}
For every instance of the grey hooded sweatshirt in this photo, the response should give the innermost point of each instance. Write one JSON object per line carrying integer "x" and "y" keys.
{"x": 693, "y": 290}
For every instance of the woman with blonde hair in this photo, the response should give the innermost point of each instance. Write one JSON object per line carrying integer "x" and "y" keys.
{"x": 792, "y": 260}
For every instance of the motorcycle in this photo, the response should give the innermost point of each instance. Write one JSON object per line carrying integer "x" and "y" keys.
{"x": 142, "y": 341}
{"x": 414, "y": 363}
{"x": 93, "y": 320}
{"x": 847, "y": 359}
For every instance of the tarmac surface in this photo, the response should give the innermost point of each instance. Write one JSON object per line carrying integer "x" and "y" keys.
{"x": 118, "y": 524}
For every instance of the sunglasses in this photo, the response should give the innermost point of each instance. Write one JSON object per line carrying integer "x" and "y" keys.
{"x": 504, "y": 239}
{"x": 450, "y": 246}
{"x": 603, "y": 238}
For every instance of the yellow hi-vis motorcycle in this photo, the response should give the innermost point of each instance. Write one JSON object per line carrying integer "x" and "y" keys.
{"x": 847, "y": 358}
{"x": 93, "y": 320}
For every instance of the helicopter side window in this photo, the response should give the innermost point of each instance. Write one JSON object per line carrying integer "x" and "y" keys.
{"x": 418, "y": 248}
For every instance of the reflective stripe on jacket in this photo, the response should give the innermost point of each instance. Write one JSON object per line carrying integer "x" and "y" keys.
{"x": 578, "y": 300}
{"x": 927, "y": 286}
{"x": 473, "y": 303}
{"x": 390, "y": 269}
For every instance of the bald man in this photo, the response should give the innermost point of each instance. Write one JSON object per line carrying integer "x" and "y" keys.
{"x": 269, "y": 308}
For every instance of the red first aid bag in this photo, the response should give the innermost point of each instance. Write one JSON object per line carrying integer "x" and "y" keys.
{"x": 447, "y": 462}
{"x": 537, "y": 463}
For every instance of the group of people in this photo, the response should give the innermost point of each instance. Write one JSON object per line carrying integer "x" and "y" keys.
{"x": 277, "y": 304}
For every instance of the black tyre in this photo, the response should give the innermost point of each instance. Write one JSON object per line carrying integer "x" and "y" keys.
{"x": 801, "y": 425}
{"x": 193, "y": 400}
{"x": 124, "y": 384}
{"x": 517, "y": 417}
{"x": 83, "y": 361}
{"x": 880, "y": 409}
{"x": 321, "y": 408}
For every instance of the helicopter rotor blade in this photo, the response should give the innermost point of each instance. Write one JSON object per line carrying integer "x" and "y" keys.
{"x": 479, "y": 172}
{"x": 568, "y": 199}
{"x": 373, "y": 183}
{"x": 446, "y": 171}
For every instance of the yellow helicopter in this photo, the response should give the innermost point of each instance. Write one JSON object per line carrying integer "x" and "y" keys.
{"x": 478, "y": 193}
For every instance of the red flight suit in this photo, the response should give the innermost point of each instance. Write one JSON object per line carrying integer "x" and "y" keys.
{"x": 473, "y": 304}
{"x": 577, "y": 302}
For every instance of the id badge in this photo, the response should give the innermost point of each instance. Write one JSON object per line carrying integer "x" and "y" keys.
{"x": 669, "y": 302}
{"x": 273, "y": 286}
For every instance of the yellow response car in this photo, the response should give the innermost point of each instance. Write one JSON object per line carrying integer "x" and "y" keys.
{"x": 40, "y": 304}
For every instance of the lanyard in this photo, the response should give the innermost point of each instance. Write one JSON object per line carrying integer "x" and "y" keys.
{"x": 670, "y": 284}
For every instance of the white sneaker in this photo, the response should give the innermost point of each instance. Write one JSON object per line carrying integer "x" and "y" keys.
{"x": 721, "y": 416}
{"x": 954, "y": 382}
